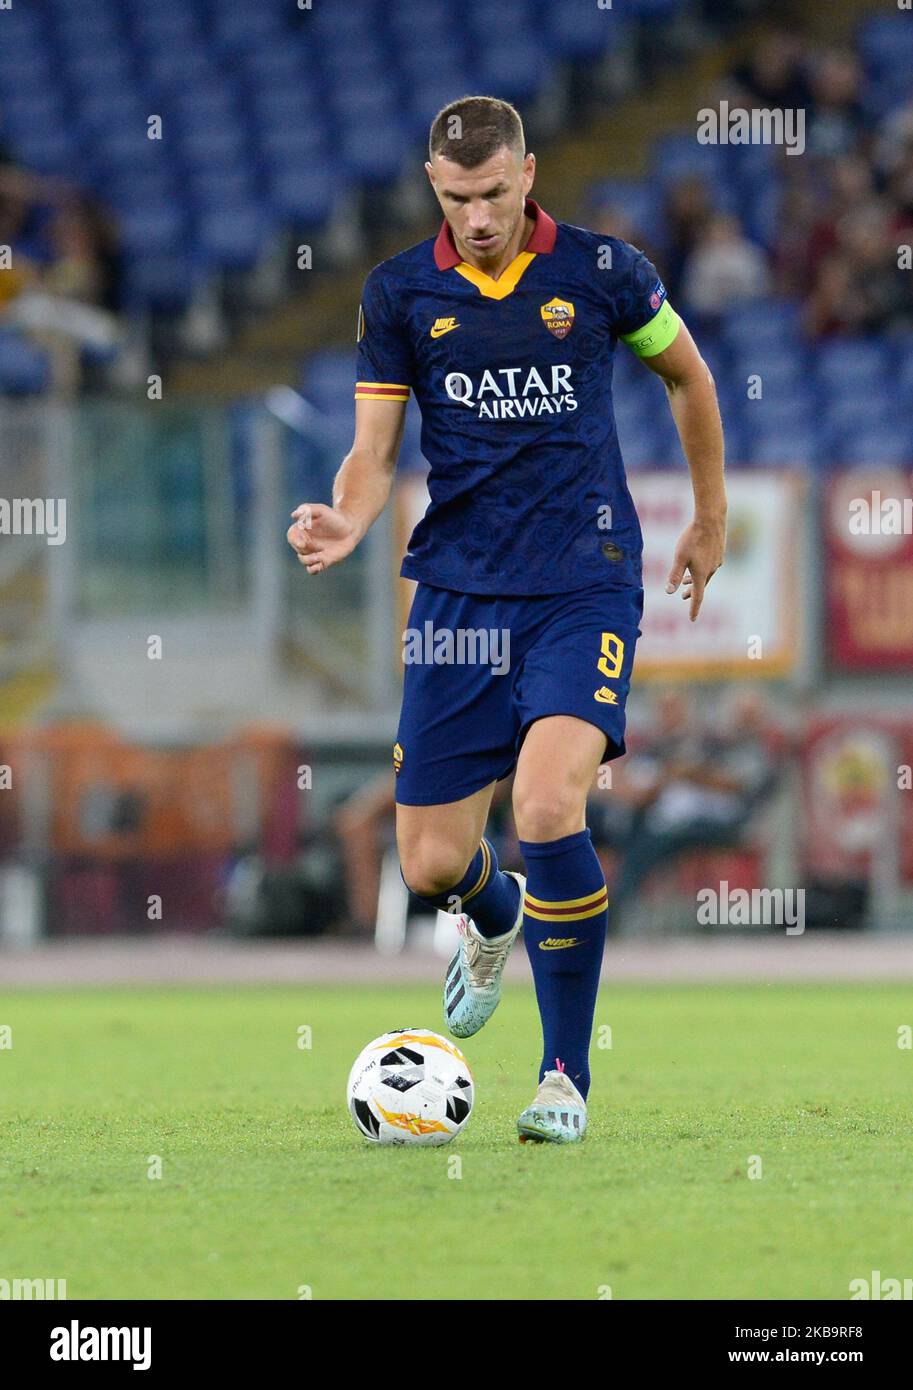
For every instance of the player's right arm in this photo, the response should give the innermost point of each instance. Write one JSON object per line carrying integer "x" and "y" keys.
{"x": 322, "y": 535}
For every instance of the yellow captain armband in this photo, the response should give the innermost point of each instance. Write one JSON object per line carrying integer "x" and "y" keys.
{"x": 656, "y": 335}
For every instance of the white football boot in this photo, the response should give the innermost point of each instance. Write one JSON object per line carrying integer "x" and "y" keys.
{"x": 557, "y": 1115}
{"x": 472, "y": 985}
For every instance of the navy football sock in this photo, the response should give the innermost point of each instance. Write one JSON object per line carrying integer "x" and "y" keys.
{"x": 489, "y": 896}
{"x": 564, "y": 926}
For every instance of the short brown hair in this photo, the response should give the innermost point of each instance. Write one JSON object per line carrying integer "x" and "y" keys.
{"x": 471, "y": 130}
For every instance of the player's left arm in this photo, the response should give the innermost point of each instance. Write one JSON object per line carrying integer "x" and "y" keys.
{"x": 692, "y": 399}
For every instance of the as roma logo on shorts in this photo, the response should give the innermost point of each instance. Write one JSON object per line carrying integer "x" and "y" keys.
{"x": 558, "y": 317}
{"x": 397, "y": 757}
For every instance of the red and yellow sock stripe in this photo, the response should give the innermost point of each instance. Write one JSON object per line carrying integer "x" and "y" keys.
{"x": 484, "y": 874}
{"x": 568, "y": 909}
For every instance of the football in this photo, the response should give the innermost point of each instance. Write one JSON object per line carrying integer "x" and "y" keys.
{"x": 410, "y": 1086}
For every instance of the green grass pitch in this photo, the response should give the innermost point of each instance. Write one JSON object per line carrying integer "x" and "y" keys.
{"x": 266, "y": 1188}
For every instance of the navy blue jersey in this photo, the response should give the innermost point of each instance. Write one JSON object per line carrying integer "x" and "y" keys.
{"x": 514, "y": 381}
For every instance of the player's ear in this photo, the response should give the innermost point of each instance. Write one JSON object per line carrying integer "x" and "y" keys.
{"x": 529, "y": 172}
{"x": 429, "y": 170}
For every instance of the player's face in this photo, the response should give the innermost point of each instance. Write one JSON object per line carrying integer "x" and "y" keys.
{"x": 484, "y": 206}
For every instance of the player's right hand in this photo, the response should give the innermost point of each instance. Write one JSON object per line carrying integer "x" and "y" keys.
{"x": 320, "y": 536}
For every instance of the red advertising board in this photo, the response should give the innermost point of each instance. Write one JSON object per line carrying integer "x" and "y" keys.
{"x": 858, "y": 794}
{"x": 868, "y": 549}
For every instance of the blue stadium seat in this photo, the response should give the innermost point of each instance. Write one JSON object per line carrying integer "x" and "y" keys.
{"x": 304, "y": 197}
{"x": 48, "y": 151}
{"x": 513, "y": 67}
{"x": 780, "y": 367}
{"x": 328, "y": 378}
{"x": 886, "y": 42}
{"x": 886, "y": 445}
{"x": 271, "y": 63}
{"x": 233, "y": 237}
{"x": 165, "y": 283}
{"x": 294, "y": 144}
{"x": 208, "y": 146}
{"x": 639, "y": 199}
{"x": 176, "y": 70}
{"x": 761, "y": 213}
{"x": 774, "y": 450}
{"x": 100, "y": 67}
{"x": 157, "y": 228}
{"x": 24, "y": 369}
{"x": 678, "y": 155}
{"x": 579, "y": 29}
{"x": 772, "y": 418}
{"x": 857, "y": 411}
{"x": 143, "y": 189}
{"x": 373, "y": 155}
{"x": 235, "y": 26}
{"x": 208, "y": 187}
{"x": 434, "y": 18}
{"x": 762, "y": 326}
{"x": 851, "y": 364}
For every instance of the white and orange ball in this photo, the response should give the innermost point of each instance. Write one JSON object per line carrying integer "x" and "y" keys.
{"x": 410, "y": 1086}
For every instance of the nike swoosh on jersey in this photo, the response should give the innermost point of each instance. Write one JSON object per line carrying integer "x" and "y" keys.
{"x": 442, "y": 326}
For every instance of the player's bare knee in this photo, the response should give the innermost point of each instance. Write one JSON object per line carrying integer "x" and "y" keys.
{"x": 547, "y": 813}
{"x": 430, "y": 869}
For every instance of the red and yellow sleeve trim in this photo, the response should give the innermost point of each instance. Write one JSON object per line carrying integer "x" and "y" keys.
{"x": 380, "y": 391}
{"x": 570, "y": 909}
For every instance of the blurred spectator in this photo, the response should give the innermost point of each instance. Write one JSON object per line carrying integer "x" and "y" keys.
{"x": 365, "y": 829}
{"x": 61, "y": 286}
{"x": 694, "y": 786}
{"x": 811, "y": 214}
{"x": 688, "y": 211}
{"x": 836, "y": 119}
{"x": 859, "y": 288}
{"x": 774, "y": 75}
{"x": 724, "y": 270}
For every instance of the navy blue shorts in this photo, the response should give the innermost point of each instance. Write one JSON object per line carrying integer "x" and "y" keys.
{"x": 479, "y": 670}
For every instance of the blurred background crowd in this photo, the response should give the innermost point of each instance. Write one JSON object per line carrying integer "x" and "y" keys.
{"x": 191, "y": 194}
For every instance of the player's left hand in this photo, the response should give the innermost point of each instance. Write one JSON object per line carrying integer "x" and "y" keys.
{"x": 698, "y": 556}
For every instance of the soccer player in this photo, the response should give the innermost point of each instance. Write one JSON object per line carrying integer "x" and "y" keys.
{"x": 504, "y": 326}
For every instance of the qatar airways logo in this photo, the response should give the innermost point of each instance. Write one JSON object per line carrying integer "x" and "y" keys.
{"x": 509, "y": 393}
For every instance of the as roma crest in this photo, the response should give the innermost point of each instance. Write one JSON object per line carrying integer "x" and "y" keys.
{"x": 558, "y": 317}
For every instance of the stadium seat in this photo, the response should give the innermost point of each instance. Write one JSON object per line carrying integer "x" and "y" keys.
{"x": 24, "y": 369}
{"x": 765, "y": 325}
{"x": 886, "y": 445}
{"x": 233, "y": 236}
{"x": 849, "y": 365}
{"x": 778, "y": 450}
{"x": 328, "y": 378}
{"x": 581, "y": 30}
{"x": 165, "y": 283}
{"x": 152, "y": 228}
{"x": 304, "y": 197}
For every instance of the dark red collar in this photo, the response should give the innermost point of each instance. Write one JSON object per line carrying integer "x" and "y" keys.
{"x": 446, "y": 256}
